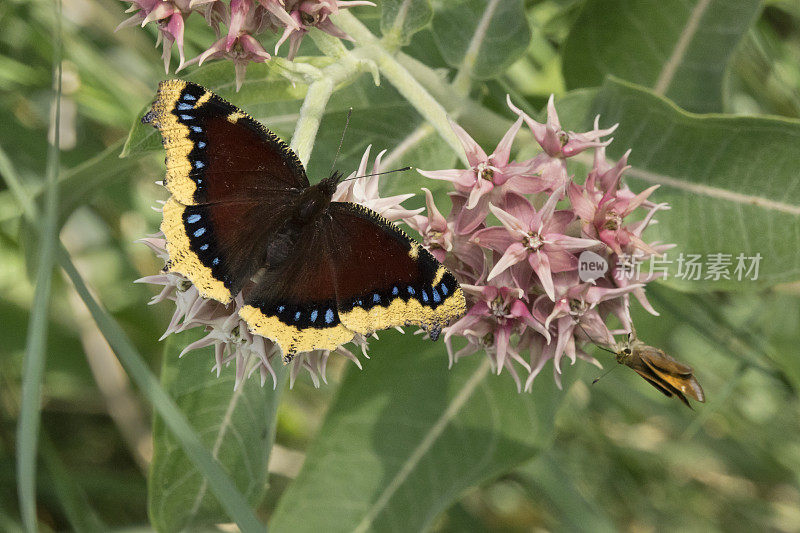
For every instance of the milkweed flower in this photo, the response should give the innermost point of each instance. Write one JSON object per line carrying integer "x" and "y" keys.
{"x": 246, "y": 21}
{"x": 225, "y": 330}
{"x": 305, "y": 14}
{"x": 168, "y": 16}
{"x": 488, "y": 179}
{"x": 365, "y": 191}
{"x": 527, "y": 302}
{"x": 536, "y": 238}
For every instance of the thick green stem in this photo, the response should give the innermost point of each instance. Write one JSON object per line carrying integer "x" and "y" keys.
{"x": 421, "y": 85}
{"x": 305, "y": 131}
{"x": 401, "y": 79}
{"x": 346, "y": 69}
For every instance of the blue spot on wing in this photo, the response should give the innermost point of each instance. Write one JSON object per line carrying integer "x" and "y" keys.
{"x": 424, "y": 296}
{"x": 199, "y": 164}
{"x": 329, "y": 316}
{"x": 184, "y": 107}
{"x": 215, "y": 262}
{"x": 201, "y": 144}
{"x": 410, "y": 290}
{"x": 376, "y": 298}
{"x": 189, "y": 97}
{"x": 199, "y": 232}
{"x": 436, "y": 297}
{"x": 191, "y": 219}
{"x": 281, "y": 308}
{"x": 314, "y": 315}
{"x": 204, "y": 247}
{"x": 187, "y": 117}
{"x": 297, "y": 316}
{"x": 395, "y": 291}
{"x": 444, "y": 288}
{"x": 197, "y": 129}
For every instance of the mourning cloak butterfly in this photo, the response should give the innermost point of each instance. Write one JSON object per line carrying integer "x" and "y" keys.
{"x": 241, "y": 202}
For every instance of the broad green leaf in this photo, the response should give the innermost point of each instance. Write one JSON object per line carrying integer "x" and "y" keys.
{"x": 481, "y": 37}
{"x": 546, "y": 479}
{"x": 730, "y": 182}
{"x": 400, "y": 19}
{"x": 678, "y": 48}
{"x": 406, "y": 436}
{"x": 236, "y": 426}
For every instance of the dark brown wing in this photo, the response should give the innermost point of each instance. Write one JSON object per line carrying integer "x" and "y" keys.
{"x": 231, "y": 180}
{"x": 215, "y": 151}
{"x": 295, "y": 303}
{"x": 351, "y": 272}
{"x": 386, "y": 279}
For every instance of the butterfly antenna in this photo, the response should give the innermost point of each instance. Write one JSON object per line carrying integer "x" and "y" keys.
{"x": 595, "y": 343}
{"x": 604, "y": 374}
{"x": 378, "y": 173}
{"x": 341, "y": 141}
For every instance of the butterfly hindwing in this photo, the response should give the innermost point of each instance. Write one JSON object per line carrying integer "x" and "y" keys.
{"x": 364, "y": 275}
{"x": 294, "y": 304}
{"x": 386, "y": 279}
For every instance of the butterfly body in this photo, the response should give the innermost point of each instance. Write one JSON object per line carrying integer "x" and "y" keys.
{"x": 668, "y": 375}
{"x": 243, "y": 215}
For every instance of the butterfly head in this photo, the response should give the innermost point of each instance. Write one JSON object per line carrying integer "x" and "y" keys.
{"x": 328, "y": 185}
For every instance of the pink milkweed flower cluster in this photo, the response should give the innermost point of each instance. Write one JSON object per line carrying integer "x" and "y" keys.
{"x": 527, "y": 302}
{"x": 244, "y": 21}
{"x": 229, "y": 334}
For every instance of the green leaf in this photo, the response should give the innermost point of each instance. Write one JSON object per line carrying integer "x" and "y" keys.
{"x": 481, "y": 37}
{"x": 730, "y": 181}
{"x": 677, "y": 48}
{"x": 406, "y": 436}
{"x": 237, "y": 426}
{"x": 546, "y": 479}
{"x": 400, "y": 19}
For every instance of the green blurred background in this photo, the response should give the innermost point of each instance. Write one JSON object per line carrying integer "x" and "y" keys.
{"x": 624, "y": 457}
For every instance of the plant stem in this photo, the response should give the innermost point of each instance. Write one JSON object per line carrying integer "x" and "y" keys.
{"x": 401, "y": 79}
{"x": 346, "y": 69}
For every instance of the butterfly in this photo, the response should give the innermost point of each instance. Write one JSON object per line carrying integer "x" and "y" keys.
{"x": 242, "y": 209}
{"x": 665, "y": 373}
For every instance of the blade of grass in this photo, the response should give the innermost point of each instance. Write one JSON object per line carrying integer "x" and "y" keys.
{"x": 218, "y": 480}
{"x": 33, "y": 365}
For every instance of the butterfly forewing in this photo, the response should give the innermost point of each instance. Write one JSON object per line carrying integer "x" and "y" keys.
{"x": 671, "y": 371}
{"x": 216, "y": 152}
{"x": 226, "y": 172}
